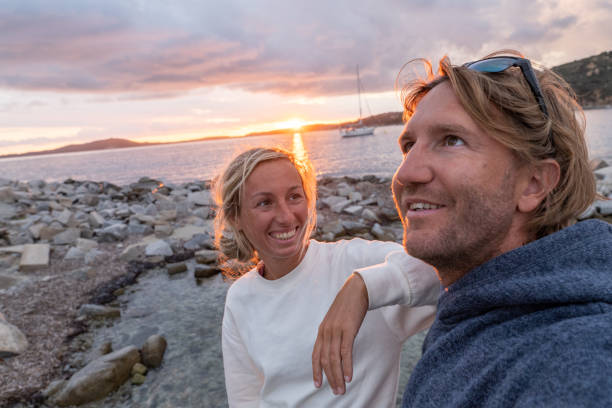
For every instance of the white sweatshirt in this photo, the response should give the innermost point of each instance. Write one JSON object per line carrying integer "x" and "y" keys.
{"x": 270, "y": 326}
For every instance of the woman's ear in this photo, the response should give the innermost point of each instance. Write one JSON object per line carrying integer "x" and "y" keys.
{"x": 543, "y": 178}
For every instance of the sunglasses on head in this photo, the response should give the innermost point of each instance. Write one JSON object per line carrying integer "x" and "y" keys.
{"x": 499, "y": 64}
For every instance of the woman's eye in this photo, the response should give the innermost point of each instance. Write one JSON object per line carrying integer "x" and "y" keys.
{"x": 294, "y": 197}
{"x": 453, "y": 141}
{"x": 262, "y": 203}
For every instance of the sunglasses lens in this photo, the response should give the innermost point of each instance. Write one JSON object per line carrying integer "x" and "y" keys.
{"x": 492, "y": 64}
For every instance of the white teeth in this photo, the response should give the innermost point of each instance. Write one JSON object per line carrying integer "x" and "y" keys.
{"x": 284, "y": 235}
{"x": 423, "y": 206}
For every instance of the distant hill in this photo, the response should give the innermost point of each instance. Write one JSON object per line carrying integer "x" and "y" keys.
{"x": 591, "y": 79}
{"x": 112, "y": 143}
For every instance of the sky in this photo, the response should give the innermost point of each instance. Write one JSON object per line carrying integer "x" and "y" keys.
{"x": 79, "y": 71}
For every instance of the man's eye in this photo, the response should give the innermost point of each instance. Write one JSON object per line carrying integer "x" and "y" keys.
{"x": 453, "y": 141}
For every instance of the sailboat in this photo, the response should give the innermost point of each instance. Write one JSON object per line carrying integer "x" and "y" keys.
{"x": 356, "y": 129}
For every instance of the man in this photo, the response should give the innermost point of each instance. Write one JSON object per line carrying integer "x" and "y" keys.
{"x": 495, "y": 171}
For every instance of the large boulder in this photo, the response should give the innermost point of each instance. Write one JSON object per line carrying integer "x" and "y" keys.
{"x": 153, "y": 351}
{"x": 98, "y": 378}
{"x": 12, "y": 340}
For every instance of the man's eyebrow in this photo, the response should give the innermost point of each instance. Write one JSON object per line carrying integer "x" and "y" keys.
{"x": 448, "y": 128}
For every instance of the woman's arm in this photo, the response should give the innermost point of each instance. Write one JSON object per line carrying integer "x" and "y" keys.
{"x": 243, "y": 381}
{"x": 401, "y": 279}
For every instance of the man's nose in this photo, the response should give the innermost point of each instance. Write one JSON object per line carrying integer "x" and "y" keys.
{"x": 416, "y": 167}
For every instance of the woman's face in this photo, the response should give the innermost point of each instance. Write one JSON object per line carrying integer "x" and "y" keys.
{"x": 274, "y": 212}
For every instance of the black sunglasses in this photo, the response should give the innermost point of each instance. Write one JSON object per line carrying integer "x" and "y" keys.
{"x": 499, "y": 64}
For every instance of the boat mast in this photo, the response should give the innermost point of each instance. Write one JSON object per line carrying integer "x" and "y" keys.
{"x": 359, "y": 92}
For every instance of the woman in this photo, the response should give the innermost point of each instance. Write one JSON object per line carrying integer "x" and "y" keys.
{"x": 266, "y": 213}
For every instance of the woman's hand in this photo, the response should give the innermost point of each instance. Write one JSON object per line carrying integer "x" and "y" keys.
{"x": 333, "y": 349}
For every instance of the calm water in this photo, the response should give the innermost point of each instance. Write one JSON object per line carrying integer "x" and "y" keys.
{"x": 330, "y": 154}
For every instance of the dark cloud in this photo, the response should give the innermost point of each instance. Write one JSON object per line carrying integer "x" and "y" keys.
{"x": 306, "y": 48}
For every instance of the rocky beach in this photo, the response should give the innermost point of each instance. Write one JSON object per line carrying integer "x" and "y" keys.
{"x": 111, "y": 295}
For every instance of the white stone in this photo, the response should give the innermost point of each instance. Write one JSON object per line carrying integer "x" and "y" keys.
{"x": 188, "y": 231}
{"x": 12, "y": 340}
{"x": 74, "y": 253}
{"x": 353, "y": 210}
{"x": 604, "y": 207}
{"x": 95, "y": 219}
{"x": 34, "y": 256}
{"x": 64, "y": 217}
{"x": 200, "y": 198}
{"x": 339, "y": 206}
{"x": 355, "y": 196}
{"x": 86, "y": 244}
{"x": 369, "y": 215}
{"x": 159, "y": 247}
{"x": 67, "y": 237}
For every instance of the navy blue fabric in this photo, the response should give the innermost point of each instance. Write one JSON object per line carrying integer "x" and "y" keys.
{"x": 530, "y": 328}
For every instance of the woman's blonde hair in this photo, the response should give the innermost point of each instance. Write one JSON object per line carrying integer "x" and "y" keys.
{"x": 503, "y": 104}
{"x": 238, "y": 255}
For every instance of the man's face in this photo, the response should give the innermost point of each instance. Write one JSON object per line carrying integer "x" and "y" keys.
{"x": 456, "y": 189}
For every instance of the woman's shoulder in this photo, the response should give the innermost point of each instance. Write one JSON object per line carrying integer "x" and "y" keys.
{"x": 241, "y": 287}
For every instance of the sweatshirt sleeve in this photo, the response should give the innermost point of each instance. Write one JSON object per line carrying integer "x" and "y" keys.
{"x": 400, "y": 280}
{"x": 243, "y": 381}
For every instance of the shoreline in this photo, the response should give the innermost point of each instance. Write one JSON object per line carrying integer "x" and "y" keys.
{"x": 100, "y": 237}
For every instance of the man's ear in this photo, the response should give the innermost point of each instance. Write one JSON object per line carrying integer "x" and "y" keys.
{"x": 543, "y": 178}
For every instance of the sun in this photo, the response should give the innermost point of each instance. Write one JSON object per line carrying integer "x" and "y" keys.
{"x": 293, "y": 123}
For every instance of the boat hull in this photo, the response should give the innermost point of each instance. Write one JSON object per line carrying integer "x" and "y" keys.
{"x": 361, "y": 131}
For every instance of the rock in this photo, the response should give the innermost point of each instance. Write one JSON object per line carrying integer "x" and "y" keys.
{"x": 96, "y": 220}
{"x": 74, "y": 253}
{"x": 153, "y": 351}
{"x": 388, "y": 213}
{"x": 355, "y": 227}
{"x": 331, "y": 200}
{"x": 115, "y": 232}
{"x": 133, "y": 252}
{"x": 34, "y": 257}
{"x": 353, "y": 210}
{"x": 380, "y": 234}
{"x": 106, "y": 348}
{"x": 369, "y": 215}
{"x": 199, "y": 241}
{"x": 7, "y": 195}
{"x": 188, "y": 231}
{"x": 138, "y": 379}
{"x": 339, "y": 206}
{"x": 334, "y": 227}
{"x": 158, "y": 248}
{"x": 7, "y": 211}
{"x": 200, "y": 198}
{"x": 86, "y": 244}
{"x": 53, "y": 388}
{"x": 99, "y": 311}
{"x": 174, "y": 268}
{"x": 205, "y": 271}
{"x": 604, "y": 207}
{"x": 12, "y": 340}
{"x": 35, "y": 229}
{"x": 98, "y": 378}
{"x": 163, "y": 230}
{"x": 139, "y": 368}
{"x": 94, "y": 256}
{"x": 604, "y": 173}
{"x": 355, "y": 196}
{"x": 67, "y": 237}
{"x": 48, "y": 232}
{"x": 206, "y": 256}
{"x": 64, "y": 217}
{"x": 90, "y": 200}
{"x": 597, "y": 164}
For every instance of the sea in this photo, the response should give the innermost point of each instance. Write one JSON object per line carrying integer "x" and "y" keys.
{"x": 330, "y": 154}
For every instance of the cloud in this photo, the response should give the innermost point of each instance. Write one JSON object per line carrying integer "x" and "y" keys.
{"x": 152, "y": 49}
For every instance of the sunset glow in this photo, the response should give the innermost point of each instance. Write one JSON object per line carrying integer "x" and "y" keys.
{"x": 75, "y": 72}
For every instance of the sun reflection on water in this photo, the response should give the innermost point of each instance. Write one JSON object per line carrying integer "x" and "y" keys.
{"x": 298, "y": 147}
